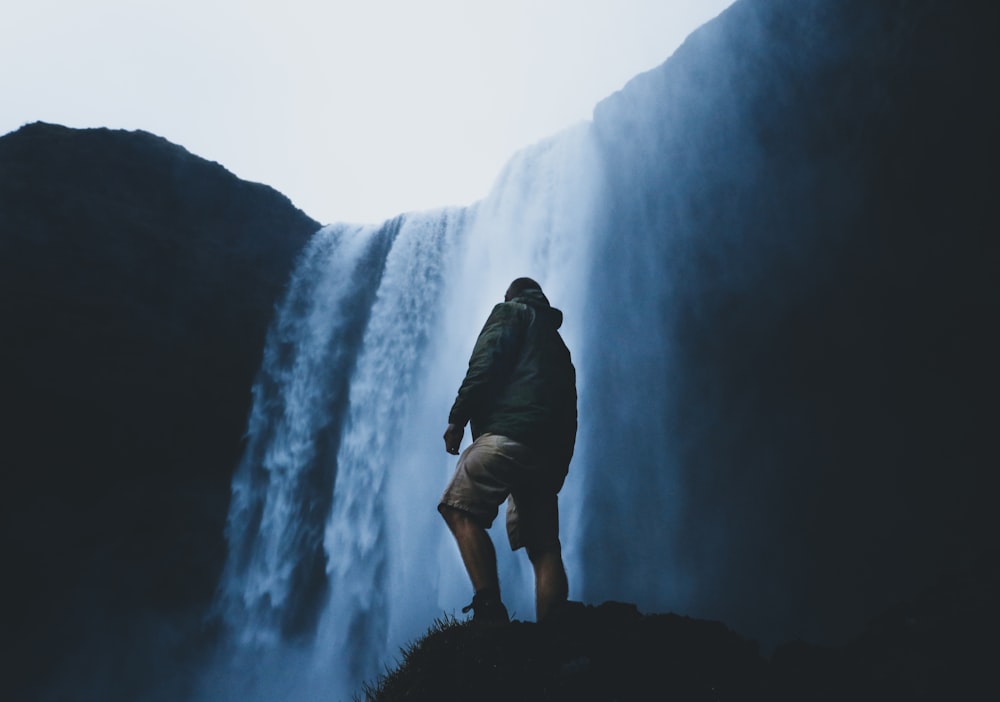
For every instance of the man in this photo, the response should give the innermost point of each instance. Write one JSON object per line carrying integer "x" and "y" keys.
{"x": 520, "y": 396}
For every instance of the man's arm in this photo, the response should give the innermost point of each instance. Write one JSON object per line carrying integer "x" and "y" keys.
{"x": 492, "y": 358}
{"x": 453, "y": 438}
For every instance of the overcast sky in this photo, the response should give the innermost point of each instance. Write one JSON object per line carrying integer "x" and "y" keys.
{"x": 356, "y": 110}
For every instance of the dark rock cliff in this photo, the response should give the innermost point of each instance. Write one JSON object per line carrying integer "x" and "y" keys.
{"x": 137, "y": 282}
{"x": 811, "y": 180}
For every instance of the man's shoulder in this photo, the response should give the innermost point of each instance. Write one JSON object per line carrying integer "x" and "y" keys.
{"x": 506, "y": 312}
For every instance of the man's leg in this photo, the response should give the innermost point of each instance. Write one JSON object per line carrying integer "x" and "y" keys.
{"x": 551, "y": 585}
{"x": 476, "y": 548}
{"x": 479, "y": 485}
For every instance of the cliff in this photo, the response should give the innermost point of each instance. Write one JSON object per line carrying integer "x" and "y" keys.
{"x": 806, "y": 183}
{"x": 137, "y": 282}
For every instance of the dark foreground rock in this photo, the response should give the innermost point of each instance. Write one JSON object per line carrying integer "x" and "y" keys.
{"x": 607, "y": 652}
{"x": 939, "y": 647}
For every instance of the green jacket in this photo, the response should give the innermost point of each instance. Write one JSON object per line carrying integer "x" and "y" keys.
{"x": 521, "y": 382}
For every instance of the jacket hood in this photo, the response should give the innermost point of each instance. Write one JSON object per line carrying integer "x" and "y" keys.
{"x": 536, "y": 300}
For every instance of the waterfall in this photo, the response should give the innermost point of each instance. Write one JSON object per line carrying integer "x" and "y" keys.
{"x": 337, "y": 555}
{"x": 281, "y": 489}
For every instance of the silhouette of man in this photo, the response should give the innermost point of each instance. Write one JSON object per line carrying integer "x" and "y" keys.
{"x": 519, "y": 395}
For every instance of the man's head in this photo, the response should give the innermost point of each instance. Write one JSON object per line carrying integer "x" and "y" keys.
{"x": 519, "y": 286}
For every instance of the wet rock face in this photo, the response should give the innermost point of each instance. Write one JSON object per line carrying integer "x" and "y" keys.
{"x": 137, "y": 282}
{"x": 818, "y": 207}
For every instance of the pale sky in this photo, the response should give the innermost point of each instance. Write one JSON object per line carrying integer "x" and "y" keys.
{"x": 356, "y": 110}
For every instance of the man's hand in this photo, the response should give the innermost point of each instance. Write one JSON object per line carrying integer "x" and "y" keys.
{"x": 453, "y": 438}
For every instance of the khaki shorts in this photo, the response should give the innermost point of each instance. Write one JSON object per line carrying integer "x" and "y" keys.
{"x": 495, "y": 468}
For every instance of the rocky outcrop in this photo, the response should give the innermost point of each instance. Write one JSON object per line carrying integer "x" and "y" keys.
{"x": 137, "y": 282}
{"x": 605, "y": 652}
{"x": 937, "y": 647}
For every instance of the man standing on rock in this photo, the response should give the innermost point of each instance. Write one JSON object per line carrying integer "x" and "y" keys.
{"x": 520, "y": 396}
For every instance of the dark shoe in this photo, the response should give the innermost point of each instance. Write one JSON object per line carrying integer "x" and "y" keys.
{"x": 487, "y": 609}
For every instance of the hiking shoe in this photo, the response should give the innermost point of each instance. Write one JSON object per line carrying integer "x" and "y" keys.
{"x": 487, "y": 609}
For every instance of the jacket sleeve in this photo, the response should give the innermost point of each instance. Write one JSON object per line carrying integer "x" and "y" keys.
{"x": 493, "y": 357}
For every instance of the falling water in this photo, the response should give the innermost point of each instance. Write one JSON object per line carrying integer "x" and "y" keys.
{"x": 277, "y": 497}
{"x": 337, "y": 554}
